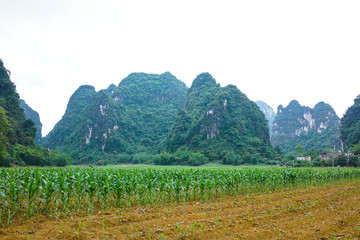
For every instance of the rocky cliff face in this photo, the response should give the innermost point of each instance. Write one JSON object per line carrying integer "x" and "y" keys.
{"x": 268, "y": 112}
{"x": 313, "y": 128}
{"x": 34, "y": 116}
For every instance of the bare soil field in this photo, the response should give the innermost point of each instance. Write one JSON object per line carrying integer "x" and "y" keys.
{"x": 328, "y": 212}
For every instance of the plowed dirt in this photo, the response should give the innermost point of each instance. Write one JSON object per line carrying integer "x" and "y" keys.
{"x": 328, "y": 212}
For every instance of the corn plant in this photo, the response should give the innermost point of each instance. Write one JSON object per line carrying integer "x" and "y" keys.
{"x": 31, "y": 191}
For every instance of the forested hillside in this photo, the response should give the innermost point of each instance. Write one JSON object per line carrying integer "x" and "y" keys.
{"x": 156, "y": 118}
{"x": 21, "y": 130}
{"x": 17, "y": 134}
{"x": 350, "y": 126}
{"x": 221, "y": 123}
{"x": 119, "y": 122}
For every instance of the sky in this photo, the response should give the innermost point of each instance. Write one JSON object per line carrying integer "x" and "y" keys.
{"x": 274, "y": 51}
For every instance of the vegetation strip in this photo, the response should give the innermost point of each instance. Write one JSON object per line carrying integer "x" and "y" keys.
{"x": 25, "y": 192}
{"x": 325, "y": 212}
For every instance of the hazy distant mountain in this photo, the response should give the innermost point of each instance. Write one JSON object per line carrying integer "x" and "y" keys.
{"x": 313, "y": 128}
{"x": 269, "y": 113}
{"x": 33, "y": 115}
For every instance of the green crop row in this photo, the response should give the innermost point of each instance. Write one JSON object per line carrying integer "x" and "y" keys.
{"x": 25, "y": 192}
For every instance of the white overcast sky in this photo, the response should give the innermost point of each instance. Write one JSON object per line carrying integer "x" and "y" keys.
{"x": 273, "y": 51}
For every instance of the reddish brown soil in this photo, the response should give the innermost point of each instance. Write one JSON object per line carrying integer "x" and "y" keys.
{"x": 330, "y": 212}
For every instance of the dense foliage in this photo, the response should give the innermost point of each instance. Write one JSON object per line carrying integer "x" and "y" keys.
{"x": 22, "y": 131}
{"x": 4, "y": 129}
{"x": 25, "y": 192}
{"x": 313, "y": 128}
{"x": 334, "y": 159}
{"x": 350, "y": 125}
{"x": 34, "y": 116}
{"x": 17, "y": 134}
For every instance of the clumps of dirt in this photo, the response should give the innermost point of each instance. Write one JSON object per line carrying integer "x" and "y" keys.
{"x": 330, "y": 212}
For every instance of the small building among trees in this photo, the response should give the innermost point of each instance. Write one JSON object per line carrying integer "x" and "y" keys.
{"x": 325, "y": 155}
{"x": 305, "y": 158}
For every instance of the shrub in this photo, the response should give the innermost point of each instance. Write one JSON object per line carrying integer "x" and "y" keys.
{"x": 341, "y": 161}
{"x": 142, "y": 158}
{"x": 100, "y": 163}
{"x": 123, "y": 158}
{"x": 353, "y": 161}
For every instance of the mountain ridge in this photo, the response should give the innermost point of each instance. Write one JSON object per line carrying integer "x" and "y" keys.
{"x": 139, "y": 114}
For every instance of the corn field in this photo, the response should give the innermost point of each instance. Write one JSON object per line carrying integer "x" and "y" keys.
{"x": 25, "y": 192}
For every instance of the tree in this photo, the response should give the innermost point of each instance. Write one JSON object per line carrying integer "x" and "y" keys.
{"x": 341, "y": 160}
{"x": 356, "y": 148}
{"x": 299, "y": 150}
{"x": 4, "y": 129}
{"x": 62, "y": 160}
{"x": 353, "y": 161}
{"x": 313, "y": 153}
{"x": 278, "y": 150}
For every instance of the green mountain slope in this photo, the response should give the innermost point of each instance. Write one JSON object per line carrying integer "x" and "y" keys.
{"x": 313, "y": 128}
{"x": 34, "y": 116}
{"x": 17, "y": 134}
{"x": 22, "y": 130}
{"x": 72, "y": 117}
{"x": 350, "y": 124}
{"x": 134, "y": 117}
{"x": 218, "y": 122}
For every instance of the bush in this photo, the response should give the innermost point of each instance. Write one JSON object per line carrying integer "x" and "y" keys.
{"x": 353, "y": 161}
{"x": 341, "y": 161}
{"x": 254, "y": 159}
{"x": 247, "y": 158}
{"x": 100, "y": 163}
{"x": 4, "y": 160}
{"x": 289, "y": 157}
{"x": 62, "y": 160}
{"x": 181, "y": 157}
{"x": 231, "y": 158}
{"x": 273, "y": 162}
{"x": 140, "y": 158}
{"x": 316, "y": 162}
{"x": 123, "y": 158}
{"x": 196, "y": 159}
{"x": 162, "y": 159}
{"x": 32, "y": 160}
